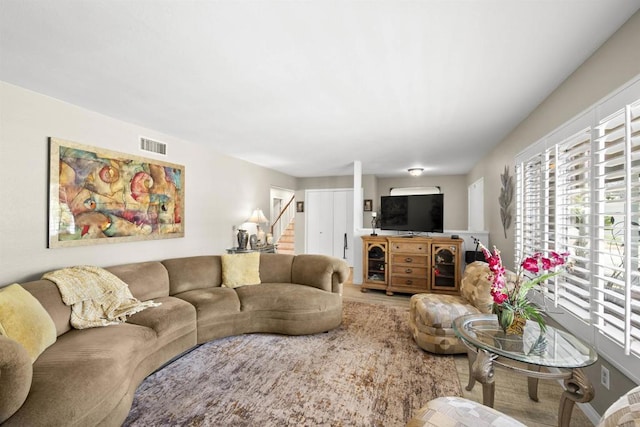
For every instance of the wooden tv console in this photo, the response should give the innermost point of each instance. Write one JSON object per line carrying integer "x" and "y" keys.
{"x": 411, "y": 264}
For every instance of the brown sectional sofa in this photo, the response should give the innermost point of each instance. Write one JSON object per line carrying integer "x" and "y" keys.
{"x": 88, "y": 377}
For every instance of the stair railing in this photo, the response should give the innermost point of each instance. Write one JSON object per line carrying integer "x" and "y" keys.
{"x": 287, "y": 214}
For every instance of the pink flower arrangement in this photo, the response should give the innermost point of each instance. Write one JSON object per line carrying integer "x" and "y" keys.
{"x": 511, "y": 301}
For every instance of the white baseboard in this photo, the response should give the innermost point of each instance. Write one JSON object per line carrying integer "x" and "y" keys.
{"x": 591, "y": 413}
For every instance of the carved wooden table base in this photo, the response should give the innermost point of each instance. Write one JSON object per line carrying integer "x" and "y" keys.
{"x": 482, "y": 363}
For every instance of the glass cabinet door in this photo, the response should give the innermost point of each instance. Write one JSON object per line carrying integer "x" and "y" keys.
{"x": 374, "y": 252}
{"x": 376, "y": 267}
{"x": 444, "y": 268}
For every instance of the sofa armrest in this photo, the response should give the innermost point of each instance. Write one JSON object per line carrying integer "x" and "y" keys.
{"x": 16, "y": 372}
{"x": 320, "y": 271}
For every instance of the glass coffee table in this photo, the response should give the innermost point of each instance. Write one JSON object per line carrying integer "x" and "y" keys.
{"x": 488, "y": 346}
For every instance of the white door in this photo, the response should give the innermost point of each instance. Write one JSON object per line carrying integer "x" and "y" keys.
{"x": 476, "y": 206}
{"x": 319, "y": 236}
{"x": 329, "y": 223}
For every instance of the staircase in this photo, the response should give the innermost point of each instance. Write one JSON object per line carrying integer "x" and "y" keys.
{"x": 287, "y": 241}
{"x": 283, "y": 229}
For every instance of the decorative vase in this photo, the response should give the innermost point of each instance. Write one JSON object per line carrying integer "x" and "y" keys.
{"x": 253, "y": 241}
{"x": 517, "y": 325}
{"x": 510, "y": 322}
{"x": 243, "y": 239}
{"x": 262, "y": 236}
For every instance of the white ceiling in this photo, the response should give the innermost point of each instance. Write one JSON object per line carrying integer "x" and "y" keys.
{"x": 307, "y": 87}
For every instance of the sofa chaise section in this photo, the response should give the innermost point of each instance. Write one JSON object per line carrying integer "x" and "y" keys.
{"x": 298, "y": 294}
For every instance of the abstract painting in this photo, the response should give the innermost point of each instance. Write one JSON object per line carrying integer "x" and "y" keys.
{"x": 100, "y": 196}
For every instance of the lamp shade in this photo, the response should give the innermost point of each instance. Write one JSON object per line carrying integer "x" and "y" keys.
{"x": 257, "y": 217}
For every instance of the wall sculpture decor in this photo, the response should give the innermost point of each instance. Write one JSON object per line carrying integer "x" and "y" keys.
{"x": 100, "y": 196}
{"x": 506, "y": 199}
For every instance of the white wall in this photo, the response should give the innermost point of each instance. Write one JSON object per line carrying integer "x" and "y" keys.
{"x": 220, "y": 191}
{"x": 616, "y": 62}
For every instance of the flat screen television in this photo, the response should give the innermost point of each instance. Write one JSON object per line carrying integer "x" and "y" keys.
{"x": 417, "y": 213}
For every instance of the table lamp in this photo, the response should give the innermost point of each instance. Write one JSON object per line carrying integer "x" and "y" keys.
{"x": 258, "y": 218}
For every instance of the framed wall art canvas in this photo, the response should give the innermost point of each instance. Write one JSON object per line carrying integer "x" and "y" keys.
{"x": 100, "y": 196}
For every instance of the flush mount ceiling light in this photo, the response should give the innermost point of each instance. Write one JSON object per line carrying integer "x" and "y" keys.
{"x": 415, "y": 171}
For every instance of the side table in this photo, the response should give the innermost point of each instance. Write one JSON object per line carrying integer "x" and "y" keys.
{"x": 265, "y": 249}
{"x": 488, "y": 346}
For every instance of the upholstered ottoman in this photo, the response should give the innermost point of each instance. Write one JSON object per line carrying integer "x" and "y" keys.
{"x": 431, "y": 322}
{"x": 431, "y": 316}
{"x": 457, "y": 411}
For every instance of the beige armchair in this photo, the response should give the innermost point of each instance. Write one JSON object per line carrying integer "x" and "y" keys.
{"x": 431, "y": 316}
{"x": 623, "y": 412}
{"x": 458, "y": 411}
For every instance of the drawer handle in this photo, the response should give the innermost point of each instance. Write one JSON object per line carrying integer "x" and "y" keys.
{"x": 409, "y": 282}
{"x": 408, "y": 270}
{"x": 408, "y": 259}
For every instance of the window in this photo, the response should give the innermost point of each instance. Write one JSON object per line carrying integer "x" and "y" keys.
{"x": 617, "y": 286}
{"x": 578, "y": 191}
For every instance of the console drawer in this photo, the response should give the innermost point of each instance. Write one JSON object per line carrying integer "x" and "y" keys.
{"x": 409, "y": 260}
{"x": 410, "y": 247}
{"x": 409, "y": 270}
{"x": 408, "y": 282}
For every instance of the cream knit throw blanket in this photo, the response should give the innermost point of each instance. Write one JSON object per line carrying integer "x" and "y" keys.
{"x": 96, "y": 296}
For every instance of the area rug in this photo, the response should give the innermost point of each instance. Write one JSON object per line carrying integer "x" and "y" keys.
{"x": 367, "y": 372}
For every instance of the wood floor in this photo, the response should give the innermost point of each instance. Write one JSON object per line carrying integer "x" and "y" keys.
{"x": 511, "y": 389}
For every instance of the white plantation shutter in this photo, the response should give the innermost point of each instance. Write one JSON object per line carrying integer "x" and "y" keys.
{"x": 529, "y": 197}
{"x": 572, "y": 290}
{"x": 553, "y": 207}
{"x": 578, "y": 191}
{"x": 617, "y": 234}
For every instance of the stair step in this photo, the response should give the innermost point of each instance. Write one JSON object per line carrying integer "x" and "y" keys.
{"x": 286, "y": 242}
{"x": 286, "y": 249}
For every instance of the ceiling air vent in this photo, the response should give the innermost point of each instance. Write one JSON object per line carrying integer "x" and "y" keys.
{"x": 158, "y": 147}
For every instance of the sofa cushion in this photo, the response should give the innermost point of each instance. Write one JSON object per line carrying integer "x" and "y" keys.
{"x": 285, "y": 297}
{"x": 276, "y": 268}
{"x": 198, "y": 272}
{"x": 240, "y": 269}
{"x": 217, "y": 312}
{"x": 23, "y": 319}
{"x": 171, "y": 320}
{"x": 286, "y": 308}
{"x": 60, "y": 391}
{"x": 97, "y": 297}
{"x": 49, "y": 296}
{"x": 146, "y": 280}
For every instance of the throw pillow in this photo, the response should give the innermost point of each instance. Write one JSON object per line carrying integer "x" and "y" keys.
{"x": 240, "y": 269}
{"x": 24, "y": 319}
